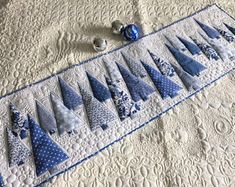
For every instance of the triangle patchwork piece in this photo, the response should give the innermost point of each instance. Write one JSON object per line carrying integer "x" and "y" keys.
{"x": 227, "y": 36}
{"x": 164, "y": 66}
{"x": 207, "y": 50}
{"x": 99, "y": 90}
{"x": 124, "y": 104}
{"x": 113, "y": 72}
{"x": 18, "y": 153}
{"x": 188, "y": 64}
{"x": 46, "y": 119}
{"x": 47, "y": 154}
{"x": 19, "y": 122}
{"x": 232, "y": 29}
{"x": 66, "y": 119}
{"x": 165, "y": 86}
{"x": 211, "y": 32}
{"x": 98, "y": 114}
{"x": 70, "y": 97}
{"x": 1, "y": 181}
{"x": 135, "y": 67}
{"x": 190, "y": 82}
{"x": 194, "y": 49}
{"x": 138, "y": 88}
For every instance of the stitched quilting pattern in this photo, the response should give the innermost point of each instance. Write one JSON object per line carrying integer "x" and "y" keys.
{"x": 86, "y": 130}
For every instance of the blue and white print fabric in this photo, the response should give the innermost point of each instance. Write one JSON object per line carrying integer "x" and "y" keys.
{"x": 46, "y": 118}
{"x": 112, "y": 70}
{"x": 98, "y": 114}
{"x": 138, "y": 88}
{"x": 99, "y": 90}
{"x": 193, "y": 49}
{"x": 66, "y": 119}
{"x": 165, "y": 86}
{"x": 187, "y": 63}
{"x": 134, "y": 65}
{"x": 232, "y": 29}
{"x": 124, "y": 104}
{"x": 1, "y": 181}
{"x": 226, "y": 35}
{"x": 70, "y": 97}
{"x": 18, "y": 153}
{"x": 224, "y": 51}
{"x": 211, "y": 32}
{"x": 47, "y": 154}
{"x": 19, "y": 122}
{"x": 164, "y": 66}
{"x": 172, "y": 40}
{"x": 207, "y": 50}
{"x": 190, "y": 82}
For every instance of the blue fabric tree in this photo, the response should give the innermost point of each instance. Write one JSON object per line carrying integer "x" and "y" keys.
{"x": 100, "y": 92}
{"x": 46, "y": 118}
{"x": 188, "y": 64}
{"x": 165, "y": 86}
{"x": 138, "y": 88}
{"x": 232, "y": 29}
{"x": 70, "y": 97}
{"x": 211, "y": 32}
{"x": 47, "y": 154}
{"x": 19, "y": 122}
{"x": 1, "y": 181}
{"x": 194, "y": 49}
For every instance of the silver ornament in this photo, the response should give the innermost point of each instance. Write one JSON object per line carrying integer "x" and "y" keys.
{"x": 99, "y": 44}
{"x": 117, "y": 27}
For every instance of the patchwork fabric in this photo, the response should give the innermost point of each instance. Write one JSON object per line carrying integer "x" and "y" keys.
{"x": 98, "y": 114}
{"x": 164, "y": 66}
{"x": 66, "y": 119}
{"x": 70, "y": 98}
{"x": 188, "y": 64}
{"x": 100, "y": 92}
{"x": 190, "y": 82}
{"x": 227, "y": 36}
{"x": 134, "y": 66}
{"x": 137, "y": 87}
{"x": 125, "y": 106}
{"x": 46, "y": 119}
{"x": 1, "y": 181}
{"x": 47, "y": 154}
{"x": 224, "y": 51}
{"x": 208, "y": 51}
{"x": 194, "y": 49}
{"x": 113, "y": 72}
{"x": 165, "y": 86}
{"x": 18, "y": 153}
{"x": 19, "y": 123}
{"x": 232, "y": 29}
{"x": 175, "y": 43}
{"x": 211, "y": 32}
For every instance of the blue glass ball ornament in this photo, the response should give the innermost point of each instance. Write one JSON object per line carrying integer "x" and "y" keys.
{"x": 131, "y": 32}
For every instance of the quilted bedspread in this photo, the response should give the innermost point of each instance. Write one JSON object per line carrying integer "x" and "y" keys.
{"x": 191, "y": 145}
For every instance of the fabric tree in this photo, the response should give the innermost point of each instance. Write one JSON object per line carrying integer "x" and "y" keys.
{"x": 46, "y": 119}
{"x": 98, "y": 114}
{"x": 18, "y": 153}
{"x": 100, "y": 91}
{"x": 66, "y": 119}
{"x": 188, "y": 64}
{"x": 165, "y": 86}
{"x": 138, "y": 88}
{"x": 47, "y": 154}
{"x": 70, "y": 97}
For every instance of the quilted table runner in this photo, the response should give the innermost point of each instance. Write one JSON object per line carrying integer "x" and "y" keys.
{"x": 52, "y": 125}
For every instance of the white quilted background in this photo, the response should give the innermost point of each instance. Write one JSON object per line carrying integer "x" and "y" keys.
{"x": 158, "y": 155}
